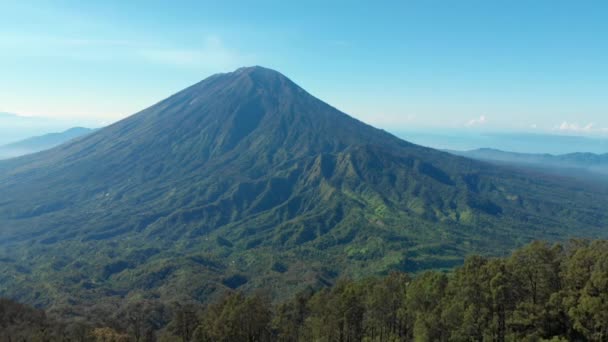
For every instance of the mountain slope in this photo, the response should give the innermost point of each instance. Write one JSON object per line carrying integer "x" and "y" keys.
{"x": 245, "y": 180}
{"x": 40, "y": 143}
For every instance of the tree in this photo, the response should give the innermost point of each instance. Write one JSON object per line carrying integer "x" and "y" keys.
{"x": 386, "y": 313}
{"x": 469, "y": 306}
{"x": 237, "y": 318}
{"x": 141, "y": 318}
{"x": 501, "y": 289}
{"x": 107, "y": 334}
{"x": 535, "y": 271}
{"x": 589, "y": 305}
{"x": 185, "y": 321}
{"x": 424, "y": 298}
{"x": 290, "y": 317}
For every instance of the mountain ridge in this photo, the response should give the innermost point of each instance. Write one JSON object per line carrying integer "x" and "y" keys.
{"x": 41, "y": 142}
{"x": 569, "y": 163}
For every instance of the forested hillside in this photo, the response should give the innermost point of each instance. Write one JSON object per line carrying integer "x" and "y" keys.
{"x": 541, "y": 292}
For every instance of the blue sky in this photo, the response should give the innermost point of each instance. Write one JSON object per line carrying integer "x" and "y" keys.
{"x": 430, "y": 65}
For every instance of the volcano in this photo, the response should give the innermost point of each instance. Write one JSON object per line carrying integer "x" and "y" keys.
{"x": 246, "y": 181}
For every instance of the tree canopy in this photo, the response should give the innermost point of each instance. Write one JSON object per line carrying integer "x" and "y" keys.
{"x": 542, "y": 292}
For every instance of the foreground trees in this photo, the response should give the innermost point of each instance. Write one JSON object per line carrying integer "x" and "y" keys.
{"x": 541, "y": 293}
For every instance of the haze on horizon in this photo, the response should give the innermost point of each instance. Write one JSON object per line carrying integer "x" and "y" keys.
{"x": 472, "y": 65}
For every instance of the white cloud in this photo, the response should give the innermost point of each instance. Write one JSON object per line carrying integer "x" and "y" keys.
{"x": 477, "y": 122}
{"x": 575, "y": 127}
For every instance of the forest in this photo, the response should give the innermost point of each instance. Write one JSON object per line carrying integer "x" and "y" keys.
{"x": 541, "y": 292}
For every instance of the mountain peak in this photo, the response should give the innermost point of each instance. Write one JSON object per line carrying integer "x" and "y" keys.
{"x": 256, "y": 68}
{"x": 244, "y": 81}
{"x": 262, "y": 76}
{"x": 259, "y": 72}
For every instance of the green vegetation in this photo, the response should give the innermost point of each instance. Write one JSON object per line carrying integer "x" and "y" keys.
{"x": 541, "y": 292}
{"x": 245, "y": 181}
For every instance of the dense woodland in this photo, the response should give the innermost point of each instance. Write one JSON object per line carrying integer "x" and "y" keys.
{"x": 541, "y": 292}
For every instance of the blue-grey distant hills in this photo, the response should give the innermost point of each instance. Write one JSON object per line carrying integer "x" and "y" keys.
{"x": 14, "y": 127}
{"x": 571, "y": 163}
{"x": 536, "y": 143}
{"x": 41, "y": 143}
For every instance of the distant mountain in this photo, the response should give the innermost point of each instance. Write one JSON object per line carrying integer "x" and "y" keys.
{"x": 40, "y": 143}
{"x": 589, "y": 162}
{"x": 247, "y": 181}
{"x": 465, "y": 140}
{"x": 14, "y": 127}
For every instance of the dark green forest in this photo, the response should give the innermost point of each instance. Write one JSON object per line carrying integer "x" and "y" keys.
{"x": 542, "y": 292}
